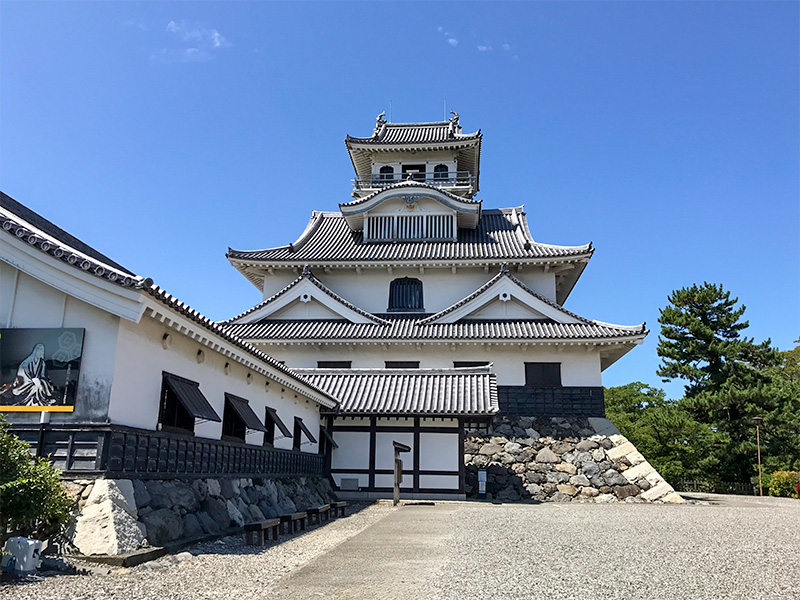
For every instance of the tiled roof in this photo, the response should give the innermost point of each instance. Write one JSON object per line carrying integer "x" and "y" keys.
{"x": 416, "y": 133}
{"x": 467, "y": 391}
{"x": 38, "y": 222}
{"x": 20, "y": 221}
{"x": 85, "y": 258}
{"x": 502, "y": 234}
{"x": 411, "y": 329}
{"x": 306, "y": 274}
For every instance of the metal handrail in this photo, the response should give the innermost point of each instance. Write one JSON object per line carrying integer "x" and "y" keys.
{"x": 444, "y": 179}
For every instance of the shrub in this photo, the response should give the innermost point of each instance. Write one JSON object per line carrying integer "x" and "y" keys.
{"x": 32, "y": 501}
{"x": 784, "y": 484}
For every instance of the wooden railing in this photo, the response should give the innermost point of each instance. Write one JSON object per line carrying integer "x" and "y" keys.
{"x": 117, "y": 451}
{"x": 448, "y": 179}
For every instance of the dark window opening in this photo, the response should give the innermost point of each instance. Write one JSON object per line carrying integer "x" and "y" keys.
{"x": 271, "y": 421}
{"x": 233, "y": 426}
{"x": 415, "y": 172}
{"x": 440, "y": 172}
{"x": 173, "y": 414}
{"x": 300, "y": 430}
{"x": 269, "y": 431}
{"x": 334, "y": 364}
{"x": 405, "y": 295}
{"x": 470, "y": 363}
{"x": 402, "y": 364}
{"x": 543, "y": 374}
{"x": 386, "y": 174}
{"x": 181, "y": 403}
{"x": 296, "y": 436}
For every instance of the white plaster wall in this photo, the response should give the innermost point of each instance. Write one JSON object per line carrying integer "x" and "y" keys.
{"x": 141, "y": 359}
{"x": 447, "y": 482}
{"x": 384, "y": 450}
{"x": 312, "y": 309}
{"x": 441, "y": 287}
{"x": 353, "y": 450}
{"x": 579, "y": 367}
{"x": 30, "y": 303}
{"x": 438, "y": 452}
{"x": 510, "y": 309}
{"x": 426, "y": 206}
{"x": 387, "y": 481}
{"x": 397, "y": 159}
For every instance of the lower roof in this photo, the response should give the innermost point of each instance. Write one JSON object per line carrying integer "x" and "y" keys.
{"x": 410, "y": 329}
{"x": 429, "y": 392}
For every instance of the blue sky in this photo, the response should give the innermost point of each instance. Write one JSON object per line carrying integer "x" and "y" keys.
{"x": 664, "y": 132}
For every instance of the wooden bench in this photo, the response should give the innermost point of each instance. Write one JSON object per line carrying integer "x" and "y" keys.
{"x": 338, "y": 509}
{"x": 294, "y": 520}
{"x": 319, "y": 512}
{"x": 255, "y": 534}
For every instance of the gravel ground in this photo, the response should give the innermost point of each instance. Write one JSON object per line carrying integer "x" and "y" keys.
{"x": 733, "y": 548}
{"x": 736, "y": 549}
{"x": 224, "y": 569}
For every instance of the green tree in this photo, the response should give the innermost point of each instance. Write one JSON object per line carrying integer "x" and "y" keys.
{"x": 666, "y": 434}
{"x": 730, "y": 379}
{"x": 32, "y": 501}
{"x": 701, "y": 341}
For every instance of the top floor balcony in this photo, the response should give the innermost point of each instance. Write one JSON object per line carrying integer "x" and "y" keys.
{"x": 455, "y": 181}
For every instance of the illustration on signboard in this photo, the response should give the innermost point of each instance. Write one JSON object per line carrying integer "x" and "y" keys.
{"x": 39, "y": 369}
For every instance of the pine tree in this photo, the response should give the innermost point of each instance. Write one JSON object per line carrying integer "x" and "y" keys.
{"x": 701, "y": 341}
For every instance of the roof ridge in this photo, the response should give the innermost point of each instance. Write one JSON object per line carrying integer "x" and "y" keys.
{"x": 482, "y": 370}
{"x": 19, "y": 227}
{"x": 504, "y": 272}
{"x": 192, "y": 314}
{"x": 307, "y": 274}
{"x": 411, "y": 183}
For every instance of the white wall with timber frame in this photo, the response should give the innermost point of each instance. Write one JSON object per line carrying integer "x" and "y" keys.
{"x": 433, "y": 468}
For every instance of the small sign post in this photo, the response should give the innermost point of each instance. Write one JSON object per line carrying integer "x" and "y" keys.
{"x": 398, "y": 469}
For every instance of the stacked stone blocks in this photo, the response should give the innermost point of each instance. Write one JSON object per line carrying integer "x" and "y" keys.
{"x": 580, "y": 460}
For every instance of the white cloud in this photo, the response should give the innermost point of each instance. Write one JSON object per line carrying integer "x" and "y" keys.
{"x": 506, "y": 47}
{"x": 195, "y": 43}
{"x": 484, "y": 48}
{"x": 452, "y": 41}
{"x": 200, "y": 36}
{"x": 440, "y": 29}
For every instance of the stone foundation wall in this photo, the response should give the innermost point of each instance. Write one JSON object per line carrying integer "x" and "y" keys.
{"x": 561, "y": 460}
{"x": 117, "y": 516}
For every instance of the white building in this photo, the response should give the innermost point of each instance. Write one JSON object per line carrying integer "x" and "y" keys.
{"x": 129, "y": 381}
{"x": 416, "y": 307}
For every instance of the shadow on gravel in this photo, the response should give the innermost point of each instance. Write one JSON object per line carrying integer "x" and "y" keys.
{"x": 235, "y": 544}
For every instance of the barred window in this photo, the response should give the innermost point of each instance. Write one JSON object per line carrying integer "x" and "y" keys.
{"x": 405, "y": 295}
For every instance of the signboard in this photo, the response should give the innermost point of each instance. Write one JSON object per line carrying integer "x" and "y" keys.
{"x": 39, "y": 369}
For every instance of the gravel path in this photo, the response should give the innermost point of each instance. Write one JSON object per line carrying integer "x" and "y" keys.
{"x": 732, "y": 549}
{"x": 221, "y": 570}
{"x": 739, "y": 549}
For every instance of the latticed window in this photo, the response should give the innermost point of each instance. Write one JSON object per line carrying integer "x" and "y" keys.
{"x": 440, "y": 172}
{"x": 405, "y": 295}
